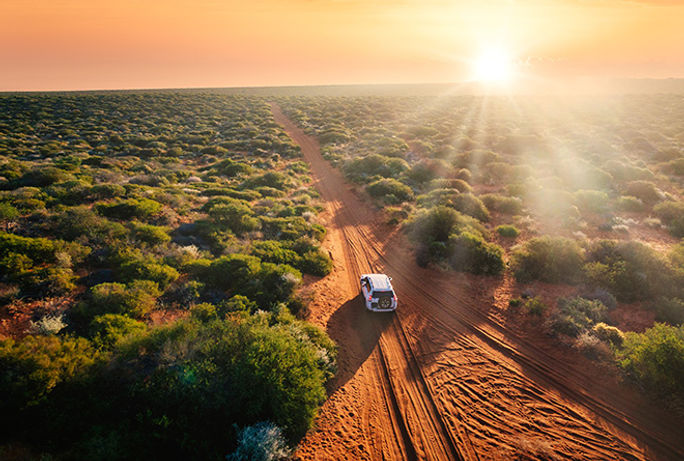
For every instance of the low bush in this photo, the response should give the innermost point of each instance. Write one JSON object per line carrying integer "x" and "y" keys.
{"x": 274, "y": 179}
{"x": 149, "y": 234}
{"x": 472, "y": 206}
{"x": 576, "y": 315}
{"x": 535, "y": 306}
{"x": 443, "y": 183}
{"x": 630, "y": 204}
{"x": 107, "y": 330}
{"x": 609, "y": 334}
{"x": 236, "y": 217}
{"x": 316, "y": 262}
{"x": 361, "y": 168}
{"x": 436, "y": 232}
{"x": 506, "y": 230}
{"x": 274, "y": 251}
{"x": 630, "y": 270}
{"x": 592, "y": 346}
{"x": 645, "y": 191}
{"x": 239, "y": 371}
{"x": 129, "y": 209}
{"x": 655, "y": 359}
{"x": 550, "y": 259}
{"x": 502, "y": 204}
{"x": 515, "y": 302}
{"x": 266, "y": 283}
{"x": 470, "y": 253}
{"x": 669, "y": 310}
{"x": 671, "y": 214}
{"x": 31, "y": 369}
{"x": 594, "y": 201}
{"x": 161, "y": 274}
{"x": 390, "y": 191}
{"x": 135, "y": 299}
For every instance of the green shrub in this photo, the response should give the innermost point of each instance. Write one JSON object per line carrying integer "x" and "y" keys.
{"x": 502, "y": 203}
{"x": 32, "y": 368}
{"x": 438, "y": 223}
{"x": 274, "y": 179}
{"x": 465, "y": 203}
{"x": 239, "y": 303}
{"x": 515, "y": 302}
{"x": 290, "y": 228}
{"x": 645, "y": 191}
{"x": 239, "y": 371}
{"x": 109, "y": 329}
{"x": 655, "y": 359}
{"x": 362, "y": 168}
{"x": 671, "y": 214}
{"x": 390, "y": 190}
{"x": 47, "y": 281}
{"x": 275, "y": 283}
{"x": 266, "y": 283}
{"x": 236, "y": 217}
{"x": 550, "y": 259}
{"x": 12, "y": 265}
{"x": 506, "y": 230}
{"x": 576, "y": 315}
{"x": 316, "y": 263}
{"x": 84, "y": 224}
{"x": 162, "y": 274}
{"x": 204, "y": 312}
{"x": 37, "y": 249}
{"x": 231, "y": 168}
{"x": 422, "y": 172}
{"x": 535, "y": 306}
{"x": 8, "y": 212}
{"x": 129, "y": 209}
{"x": 445, "y": 183}
{"x": 607, "y": 333}
{"x": 630, "y": 270}
{"x": 135, "y": 299}
{"x": 674, "y": 166}
{"x": 629, "y": 203}
{"x": 232, "y": 272}
{"x": 42, "y": 177}
{"x": 149, "y": 234}
{"x": 274, "y": 251}
{"x": 669, "y": 310}
{"x": 594, "y": 201}
{"x": 470, "y": 253}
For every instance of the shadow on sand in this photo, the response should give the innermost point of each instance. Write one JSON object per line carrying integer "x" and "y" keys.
{"x": 357, "y": 331}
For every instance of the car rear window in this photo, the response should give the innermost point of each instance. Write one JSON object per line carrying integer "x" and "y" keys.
{"x": 377, "y": 293}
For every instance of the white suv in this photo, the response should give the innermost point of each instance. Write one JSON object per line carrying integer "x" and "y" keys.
{"x": 377, "y": 292}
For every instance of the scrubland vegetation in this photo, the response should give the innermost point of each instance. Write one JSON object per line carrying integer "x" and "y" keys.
{"x": 585, "y": 193}
{"x": 151, "y": 250}
{"x": 152, "y": 246}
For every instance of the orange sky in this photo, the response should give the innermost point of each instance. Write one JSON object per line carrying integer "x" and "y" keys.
{"x": 94, "y": 44}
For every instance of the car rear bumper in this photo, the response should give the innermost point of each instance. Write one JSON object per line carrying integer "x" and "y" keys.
{"x": 372, "y": 308}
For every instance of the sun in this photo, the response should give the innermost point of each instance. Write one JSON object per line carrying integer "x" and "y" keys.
{"x": 493, "y": 65}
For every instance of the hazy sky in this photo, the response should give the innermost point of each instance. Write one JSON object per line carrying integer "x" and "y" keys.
{"x": 79, "y": 44}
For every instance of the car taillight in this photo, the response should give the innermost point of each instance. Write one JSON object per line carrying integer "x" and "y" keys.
{"x": 370, "y": 297}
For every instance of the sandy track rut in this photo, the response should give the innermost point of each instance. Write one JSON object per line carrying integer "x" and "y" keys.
{"x": 440, "y": 379}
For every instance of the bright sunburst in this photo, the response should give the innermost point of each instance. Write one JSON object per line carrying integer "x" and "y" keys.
{"x": 493, "y": 65}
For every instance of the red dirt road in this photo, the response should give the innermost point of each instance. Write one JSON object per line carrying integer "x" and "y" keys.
{"x": 445, "y": 377}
